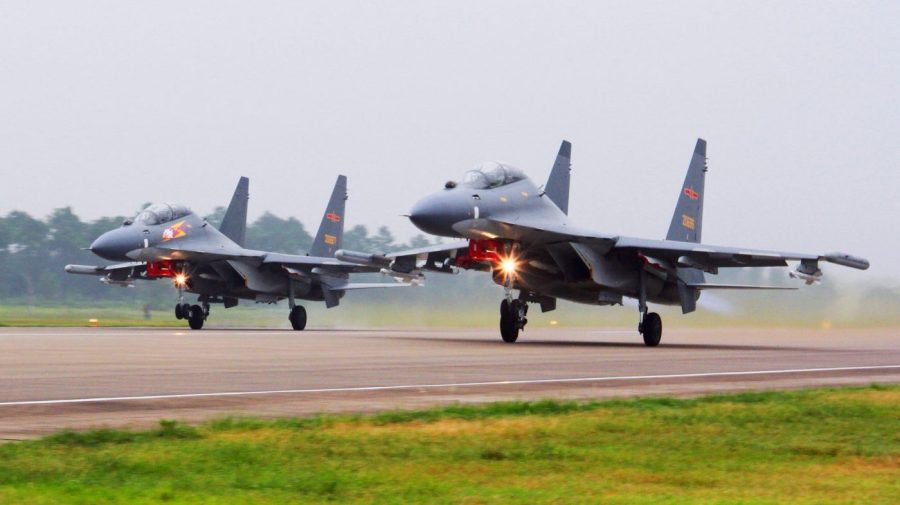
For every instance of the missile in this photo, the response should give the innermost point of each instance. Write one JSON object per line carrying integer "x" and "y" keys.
{"x": 415, "y": 279}
{"x": 847, "y": 260}
{"x": 805, "y": 277}
{"x": 360, "y": 258}
{"x": 111, "y": 282}
{"x": 83, "y": 269}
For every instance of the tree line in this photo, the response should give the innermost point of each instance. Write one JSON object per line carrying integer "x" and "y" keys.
{"x": 34, "y": 252}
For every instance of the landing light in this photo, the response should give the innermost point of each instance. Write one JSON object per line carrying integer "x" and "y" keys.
{"x": 508, "y": 266}
{"x": 180, "y": 280}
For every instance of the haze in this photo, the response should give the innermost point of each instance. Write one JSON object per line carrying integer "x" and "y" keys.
{"x": 107, "y": 105}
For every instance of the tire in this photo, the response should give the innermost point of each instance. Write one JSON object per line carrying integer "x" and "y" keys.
{"x": 652, "y": 329}
{"x": 195, "y": 317}
{"x": 509, "y": 327}
{"x": 179, "y": 312}
{"x": 298, "y": 318}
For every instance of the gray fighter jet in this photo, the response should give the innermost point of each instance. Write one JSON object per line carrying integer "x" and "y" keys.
{"x": 522, "y": 234}
{"x": 169, "y": 241}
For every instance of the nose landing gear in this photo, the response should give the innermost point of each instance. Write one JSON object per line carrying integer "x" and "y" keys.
{"x": 512, "y": 319}
{"x": 195, "y": 314}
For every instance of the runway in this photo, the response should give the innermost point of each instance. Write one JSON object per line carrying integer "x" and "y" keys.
{"x": 56, "y": 378}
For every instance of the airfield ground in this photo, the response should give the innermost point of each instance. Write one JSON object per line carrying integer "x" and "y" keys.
{"x": 56, "y": 378}
{"x": 835, "y": 446}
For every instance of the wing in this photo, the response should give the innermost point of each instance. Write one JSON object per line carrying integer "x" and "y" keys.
{"x": 408, "y": 265}
{"x": 704, "y": 257}
{"x": 196, "y": 254}
{"x": 435, "y": 258}
{"x": 711, "y": 257}
{"x": 309, "y": 262}
{"x": 685, "y": 254}
{"x": 532, "y": 232}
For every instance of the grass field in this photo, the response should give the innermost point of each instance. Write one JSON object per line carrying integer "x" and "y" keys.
{"x": 816, "y": 446}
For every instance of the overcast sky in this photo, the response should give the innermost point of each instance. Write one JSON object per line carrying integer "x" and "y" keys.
{"x": 106, "y": 105}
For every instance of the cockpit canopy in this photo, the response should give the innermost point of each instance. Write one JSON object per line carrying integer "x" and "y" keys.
{"x": 161, "y": 213}
{"x": 491, "y": 174}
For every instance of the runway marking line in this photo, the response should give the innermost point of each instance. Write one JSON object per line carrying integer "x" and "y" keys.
{"x": 447, "y": 385}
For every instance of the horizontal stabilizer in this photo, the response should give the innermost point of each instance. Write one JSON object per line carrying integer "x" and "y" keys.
{"x": 738, "y": 286}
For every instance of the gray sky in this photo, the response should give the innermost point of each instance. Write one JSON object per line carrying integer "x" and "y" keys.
{"x": 106, "y": 105}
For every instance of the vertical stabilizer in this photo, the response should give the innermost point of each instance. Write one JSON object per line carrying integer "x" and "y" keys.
{"x": 331, "y": 230}
{"x": 234, "y": 224}
{"x": 557, "y": 187}
{"x": 687, "y": 222}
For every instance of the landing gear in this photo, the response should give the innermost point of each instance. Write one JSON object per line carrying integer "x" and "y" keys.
{"x": 196, "y": 316}
{"x": 650, "y": 325}
{"x": 182, "y": 310}
{"x": 298, "y": 317}
{"x": 512, "y": 319}
{"x": 651, "y": 329}
{"x": 298, "y": 313}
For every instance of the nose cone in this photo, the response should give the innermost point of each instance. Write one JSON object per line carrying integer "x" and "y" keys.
{"x": 436, "y": 214}
{"x": 112, "y": 246}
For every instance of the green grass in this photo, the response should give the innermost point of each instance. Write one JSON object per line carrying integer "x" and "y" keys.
{"x": 816, "y": 446}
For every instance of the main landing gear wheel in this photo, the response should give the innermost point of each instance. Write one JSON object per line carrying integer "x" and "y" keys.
{"x": 298, "y": 318}
{"x": 652, "y": 329}
{"x": 512, "y": 319}
{"x": 195, "y": 316}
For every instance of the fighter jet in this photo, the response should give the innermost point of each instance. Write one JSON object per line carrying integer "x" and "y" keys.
{"x": 169, "y": 241}
{"x": 522, "y": 234}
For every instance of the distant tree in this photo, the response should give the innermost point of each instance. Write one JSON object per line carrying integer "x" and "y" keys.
{"x": 29, "y": 238}
{"x": 215, "y": 219}
{"x": 417, "y": 241}
{"x": 4, "y": 237}
{"x": 357, "y": 239}
{"x": 67, "y": 236}
{"x": 26, "y": 231}
{"x": 67, "y": 232}
{"x": 382, "y": 241}
{"x": 272, "y": 233}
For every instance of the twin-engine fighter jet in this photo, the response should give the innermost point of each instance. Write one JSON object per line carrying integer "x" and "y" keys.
{"x": 170, "y": 241}
{"x": 522, "y": 234}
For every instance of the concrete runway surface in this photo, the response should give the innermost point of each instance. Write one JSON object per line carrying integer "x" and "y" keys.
{"x": 54, "y": 378}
